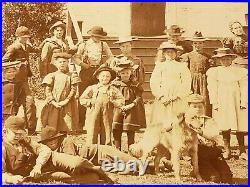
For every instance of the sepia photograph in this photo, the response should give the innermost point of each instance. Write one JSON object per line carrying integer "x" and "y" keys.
{"x": 124, "y": 93}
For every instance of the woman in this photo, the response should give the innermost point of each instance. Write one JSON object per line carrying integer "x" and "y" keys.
{"x": 55, "y": 44}
{"x": 170, "y": 83}
{"x": 227, "y": 86}
{"x": 239, "y": 42}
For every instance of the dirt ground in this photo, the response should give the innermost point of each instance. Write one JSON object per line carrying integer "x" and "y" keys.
{"x": 238, "y": 167}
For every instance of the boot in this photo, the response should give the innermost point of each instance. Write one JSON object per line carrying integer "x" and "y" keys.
{"x": 117, "y": 139}
{"x": 226, "y": 138}
{"x": 242, "y": 150}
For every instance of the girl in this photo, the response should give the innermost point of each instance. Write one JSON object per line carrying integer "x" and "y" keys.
{"x": 227, "y": 87}
{"x": 127, "y": 118}
{"x": 170, "y": 83}
{"x": 60, "y": 111}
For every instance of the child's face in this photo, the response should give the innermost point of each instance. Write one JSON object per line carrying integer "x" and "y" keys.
{"x": 13, "y": 137}
{"x": 226, "y": 60}
{"x": 96, "y": 38}
{"x": 170, "y": 53}
{"x": 175, "y": 38}
{"x": 52, "y": 144}
{"x": 196, "y": 108}
{"x": 126, "y": 48}
{"x": 198, "y": 46}
{"x": 23, "y": 40}
{"x": 61, "y": 64}
{"x": 58, "y": 32}
{"x": 104, "y": 77}
{"x": 125, "y": 74}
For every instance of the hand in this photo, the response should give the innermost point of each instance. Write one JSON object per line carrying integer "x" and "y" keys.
{"x": 242, "y": 107}
{"x": 215, "y": 106}
{"x": 128, "y": 107}
{"x": 35, "y": 172}
{"x": 56, "y": 104}
{"x": 63, "y": 103}
{"x": 15, "y": 179}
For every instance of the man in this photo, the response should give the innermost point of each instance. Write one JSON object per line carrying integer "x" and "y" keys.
{"x": 89, "y": 56}
{"x": 16, "y": 70}
{"x": 175, "y": 36}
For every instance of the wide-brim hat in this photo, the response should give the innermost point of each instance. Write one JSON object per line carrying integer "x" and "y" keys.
{"x": 174, "y": 30}
{"x": 22, "y": 31}
{"x": 170, "y": 45}
{"x": 49, "y": 133}
{"x": 125, "y": 63}
{"x": 15, "y": 124}
{"x": 124, "y": 39}
{"x": 104, "y": 68}
{"x": 198, "y": 37}
{"x": 195, "y": 98}
{"x": 57, "y": 24}
{"x": 97, "y": 31}
{"x": 240, "y": 61}
{"x": 221, "y": 52}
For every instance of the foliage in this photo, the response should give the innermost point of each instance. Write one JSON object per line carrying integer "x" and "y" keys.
{"x": 38, "y": 17}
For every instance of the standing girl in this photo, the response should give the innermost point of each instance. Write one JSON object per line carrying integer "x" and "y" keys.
{"x": 127, "y": 118}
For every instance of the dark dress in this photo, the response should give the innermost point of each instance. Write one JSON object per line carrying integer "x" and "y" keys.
{"x": 133, "y": 119}
{"x": 198, "y": 64}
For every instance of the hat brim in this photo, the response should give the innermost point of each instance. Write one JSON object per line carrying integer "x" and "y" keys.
{"x": 19, "y": 131}
{"x": 52, "y": 138}
{"x": 198, "y": 39}
{"x": 112, "y": 72}
{"x": 119, "y": 69}
{"x": 222, "y": 55}
{"x": 25, "y": 36}
{"x": 124, "y": 41}
{"x": 59, "y": 25}
{"x": 175, "y": 48}
{"x": 104, "y": 34}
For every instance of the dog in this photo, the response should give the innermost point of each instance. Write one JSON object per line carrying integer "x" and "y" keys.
{"x": 171, "y": 142}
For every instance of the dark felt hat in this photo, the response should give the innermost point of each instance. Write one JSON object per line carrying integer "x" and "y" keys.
{"x": 49, "y": 133}
{"x": 104, "y": 68}
{"x": 15, "y": 124}
{"x": 198, "y": 37}
{"x": 97, "y": 31}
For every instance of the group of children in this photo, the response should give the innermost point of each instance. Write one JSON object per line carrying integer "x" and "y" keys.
{"x": 110, "y": 90}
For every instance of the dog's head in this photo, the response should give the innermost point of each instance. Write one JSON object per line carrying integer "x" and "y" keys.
{"x": 136, "y": 150}
{"x": 193, "y": 122}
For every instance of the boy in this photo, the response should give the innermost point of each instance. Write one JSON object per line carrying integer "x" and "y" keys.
{"x": 199, "y": 62}
{"x": 21, "y": 156}
{"x": 89, "y": 57}
{"x": 100, "y": 100}
{"x": 16, "y": 91}
{"x": 212, "y": 165}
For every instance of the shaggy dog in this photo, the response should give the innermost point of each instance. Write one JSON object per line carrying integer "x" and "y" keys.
{"x": 177, "y": 139}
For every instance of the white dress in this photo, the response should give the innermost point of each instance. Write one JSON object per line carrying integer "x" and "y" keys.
{"x": 170, "y": 79}
{"x": 228, "y": 90}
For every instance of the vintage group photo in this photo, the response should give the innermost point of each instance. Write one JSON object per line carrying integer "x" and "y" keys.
{"x": 124, "y": 93}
